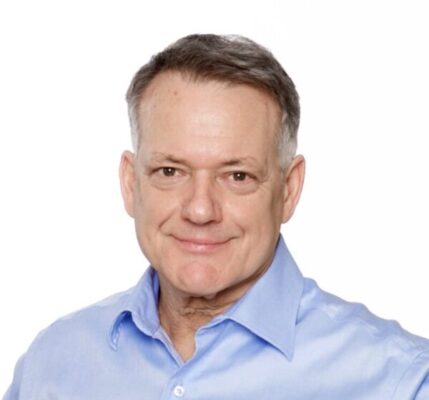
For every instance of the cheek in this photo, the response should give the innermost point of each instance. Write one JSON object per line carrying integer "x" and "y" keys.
{"x": 254, "y": 213}
{"x": 153, "y": 205}
{"x": 153, "y": 210}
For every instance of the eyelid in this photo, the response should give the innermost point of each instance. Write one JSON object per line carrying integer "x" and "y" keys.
{"x": 161, "y": 167}
{"x": 242, "y": 171}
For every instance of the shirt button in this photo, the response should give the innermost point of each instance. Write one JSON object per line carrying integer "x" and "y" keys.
{"x": 179, "y": 391}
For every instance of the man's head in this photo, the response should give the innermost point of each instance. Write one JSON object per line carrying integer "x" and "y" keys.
{"x": 207, "y": 187}
{"x": 229, "y": 59}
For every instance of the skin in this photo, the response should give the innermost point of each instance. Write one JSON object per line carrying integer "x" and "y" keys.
{"x": 207, "y": 195}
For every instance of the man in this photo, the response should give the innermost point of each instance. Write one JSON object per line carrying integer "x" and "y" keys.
{"x": 223, "y": 312}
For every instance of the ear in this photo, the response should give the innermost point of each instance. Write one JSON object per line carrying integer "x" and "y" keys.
{"x": 293, "y": 183}
{"x": 127, "y": 178}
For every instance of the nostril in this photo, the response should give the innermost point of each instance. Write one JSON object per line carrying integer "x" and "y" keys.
{"x": 200, "y": 213}
{"x": 201, "y": 209}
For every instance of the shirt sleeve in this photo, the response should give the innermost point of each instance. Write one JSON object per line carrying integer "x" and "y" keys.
{"x": 414, "y": 385}
{"x": 14, "y": 389}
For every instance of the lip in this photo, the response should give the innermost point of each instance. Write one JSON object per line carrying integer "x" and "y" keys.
{"x": 200, "y": 245}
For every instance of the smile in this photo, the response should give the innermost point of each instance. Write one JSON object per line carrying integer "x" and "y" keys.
{"x": 195, "y": 245}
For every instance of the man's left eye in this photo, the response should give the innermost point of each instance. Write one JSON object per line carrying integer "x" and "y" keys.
{"x": 239, "y": 176}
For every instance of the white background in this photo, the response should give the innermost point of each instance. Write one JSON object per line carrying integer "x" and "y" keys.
{"x": 361, "y": 68}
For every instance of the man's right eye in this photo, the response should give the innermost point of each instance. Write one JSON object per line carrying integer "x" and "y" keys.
{"x": 166, "y": 177}
{"x": 168, "y": 171}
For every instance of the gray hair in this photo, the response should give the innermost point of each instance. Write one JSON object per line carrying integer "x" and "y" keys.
{"x": 232, "y": 59}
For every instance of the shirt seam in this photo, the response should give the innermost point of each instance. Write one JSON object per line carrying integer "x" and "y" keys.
{"x": 422, "y": 353}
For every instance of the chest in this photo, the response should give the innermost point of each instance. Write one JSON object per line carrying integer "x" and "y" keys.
{"x": 229, "y": 363}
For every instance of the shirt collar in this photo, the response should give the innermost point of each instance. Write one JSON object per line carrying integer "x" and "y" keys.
{"x": 269, "y": 308}
{"x": 141, "y": 306}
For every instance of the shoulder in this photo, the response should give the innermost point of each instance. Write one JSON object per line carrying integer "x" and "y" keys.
{"x": 67, "y": 342}
{"x": 89, "y": 319}
{"x": 372, "y": 345}
{"x": 89, "y": 323}
{"x": 69, "y": 347}
{"x": 357, "y": 320}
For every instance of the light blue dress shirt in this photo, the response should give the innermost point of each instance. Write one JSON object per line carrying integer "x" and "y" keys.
{"x": 285, "y": 339}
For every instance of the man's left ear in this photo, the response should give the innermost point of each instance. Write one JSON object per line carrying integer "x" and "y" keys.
{"x": 293, "y": 183}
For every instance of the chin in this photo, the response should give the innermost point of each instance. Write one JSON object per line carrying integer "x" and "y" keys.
{"x": 199, "y": 280}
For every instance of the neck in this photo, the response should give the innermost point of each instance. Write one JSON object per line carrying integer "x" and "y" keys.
{"x": 182, "y": 315}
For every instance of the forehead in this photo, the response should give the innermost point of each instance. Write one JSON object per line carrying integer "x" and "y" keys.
{"x": 178, "y": 111}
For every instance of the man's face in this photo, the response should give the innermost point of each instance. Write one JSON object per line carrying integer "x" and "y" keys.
{"x": 206, "y": 190}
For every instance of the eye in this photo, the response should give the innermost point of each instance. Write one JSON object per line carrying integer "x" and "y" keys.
{"x": 168, "y": 171}
{"x": 239, "y": 176}
{"x": 241, "y": 182}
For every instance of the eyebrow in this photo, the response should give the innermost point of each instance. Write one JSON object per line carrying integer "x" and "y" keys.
{"x": 236, "y": 161}
{"x": 240, "y": 161}
{"x": 162, "y": 157}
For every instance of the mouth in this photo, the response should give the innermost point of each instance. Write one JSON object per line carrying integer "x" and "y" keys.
{"x": 200, "y": 245}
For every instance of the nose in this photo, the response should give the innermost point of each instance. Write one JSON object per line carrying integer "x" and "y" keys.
{"x": 201, "y": 205}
